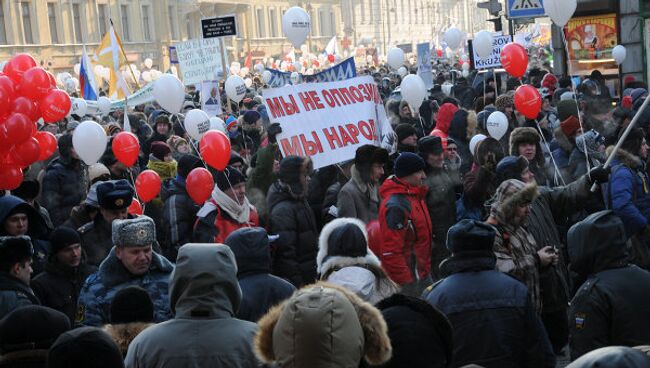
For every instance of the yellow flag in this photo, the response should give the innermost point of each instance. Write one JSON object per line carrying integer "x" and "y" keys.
{"x": 110, "y": 54}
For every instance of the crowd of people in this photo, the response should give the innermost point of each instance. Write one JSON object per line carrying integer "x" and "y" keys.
{"x": 455, "y": 250}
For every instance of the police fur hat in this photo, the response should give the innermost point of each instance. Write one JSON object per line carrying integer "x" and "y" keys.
{"x": 526, "y": 135}
{"x": 137, "y": 232}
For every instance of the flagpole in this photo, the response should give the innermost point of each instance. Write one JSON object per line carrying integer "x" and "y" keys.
{"x": 125, "y": 58}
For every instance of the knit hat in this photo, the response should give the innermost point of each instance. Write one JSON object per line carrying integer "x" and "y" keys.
{"x": 251, "y": 116}
{"x": 470, "y": 236}
{"x": 187, "y": 163}
{"x": 592, "y": 139}
{"x": 566, "y": 108}
{"x": 15, "y": 248}
{"x": 87, "y": 347}
{"x": 131, "y": 304}
{"x": 98, "y": 172}
{"x": 114, "y": 194}
{"x": 570, "y": 126}
{"x": 63, "y": 237}
{"x": 231, "y": 122}
{"x": 137, "y": 232}
{"x": 511, "y": 167}
{"x": 160, "y": 149}
{"x": 32, "y": 327}
{"x": 408, "y": 163}
{"x": 91, "y": 197}
{"x": 430, "y": 144}
{"x": 627, "y": 102}
{"x": 229, "y": 177}
{"x": 482, "y": 117}
{"x": 404, "y": 131}
{"x": 175, "y": 141}
{"x": 112, "y": 128}
{"x": 28, "y": 189}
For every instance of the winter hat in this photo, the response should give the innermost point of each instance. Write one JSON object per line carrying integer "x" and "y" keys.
{"x": 628, "y": 79}
{"x": 320, "y": 326}
{"x": 28, "y": 189}
{"x": 504, "y": 101}
{"x": 236, "y": 158}
{"x": 592, "y": 139}
{"x": 470, "y": 236}
{"x": 175, "y": 141}
{"x": 65, "y": 145}
{"x": 290, "y": 167}
{"x": 343, "y": 238}
{"x": 483, "y": 116}
{"x": 549, "y": 81}
{"x": 567, "y": 108}
{"x": 137, "y": 232}
{"x": 98, "y": 172}
{"x": 63, "y": 237}
{"x": 567, "y": 96}
{"x": 160, "y": 149}
{"x": 231, "y": 122}
{"x": 612, "y": 357}
{"x": 251, "y": 116}
{"x": 112, "y": 128}
{"x": 511, "y": 167}
{"x": 131, "y": 304}
{"x": 31, "y": 327}
{"x": 523, "y": 135}
{"x": 637, "y": 94}
{"x": 229, "y": 177}
{"x": 162, "y": 119}
{"x": 15, "y": 248}
{"x": 430, "y": 144}
{"x": 570, "y": 126}
{"x": 415, "y": 326}
{"x": 91, "y": 197}
{"x": 87, "y": 347}
{"x": 404, "y": 131}
{"x": 114, "y": 194}
{"x": 408, "y": 163}
{"x": 187, "y": 163}
{"x": 250, "y": 245}
{"x": 485, "y": 147}
{"x": 633, "y": 141}
{"x": 369, "y": 154}
{"x": 627, "y": 102}
{"x": 510, "y": 194}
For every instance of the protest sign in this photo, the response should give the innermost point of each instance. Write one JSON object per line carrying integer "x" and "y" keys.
{"x": 198, "y": 59}
{"x": 494, "y": 60}
{"x": 344, "y": 70}
{"x": 329, "y": 121}
{"x": 425, "y": 69}
{"x": 219, "y": 26}
{"x": 210, "y": 98}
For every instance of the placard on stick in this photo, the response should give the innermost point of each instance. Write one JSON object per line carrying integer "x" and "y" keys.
{"x": 219, "y": 26}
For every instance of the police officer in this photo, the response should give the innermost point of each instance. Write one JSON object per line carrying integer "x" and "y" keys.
{"x": 131, "y": 261}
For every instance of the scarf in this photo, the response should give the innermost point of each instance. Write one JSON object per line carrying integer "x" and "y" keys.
{"x": 240, "y": 213}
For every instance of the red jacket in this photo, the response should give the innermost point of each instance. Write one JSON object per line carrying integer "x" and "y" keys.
{"x": 445, "y": 116}
{"x": 406, "y": 231}
{"x": 217, "y": 225}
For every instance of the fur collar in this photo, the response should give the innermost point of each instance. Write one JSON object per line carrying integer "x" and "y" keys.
{"x": 367, "y": 188}
{"x": 112, "y": 272}
{"x": 563, "y": 141}
{"x": 626, "y": 158}
{"x": 377, "y": 347}
{"x": 123, "y": 334}
{"x": 325, "y": 263}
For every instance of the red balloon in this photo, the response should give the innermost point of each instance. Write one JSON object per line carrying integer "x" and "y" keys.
{"x": 514, "y": 59}
{"x": 47, "y": 143}
{"x": 18, "y": 65}
{"x": 5, "y": 142}
{"x": 5, "y": 101}
{"x": 331, "y": 58}
{"x": 24, "y": 105}
{"x": 52, "y": 80}
{"x": 147, "y": 185}
{"x": 55, "y": 106}
{"x": 10, "y": 177}
{"x": 26, "y": 153}
{"x": 7, "y": 84}
{"x": 199, "y": 184}
{"x": 19, "y": 127}
{"x": 135, "y": 208}
{"x": 528, "y": 101}
{"x": 215, "y": 149}
{"x": 35, "y": 84}
{"x": 126, "y": 148}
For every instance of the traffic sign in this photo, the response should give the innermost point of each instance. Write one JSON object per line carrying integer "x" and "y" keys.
{"x": 525, "y": 9}
{"x": 219, "y": 26}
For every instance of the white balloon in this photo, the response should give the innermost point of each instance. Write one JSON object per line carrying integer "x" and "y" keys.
{"x": 395, "y": 57}
{"x": 465, "y": 73}
{"x": 196, "y": 122}
{"x": 446, "y": 88}
{"x": 235, "y": 88}
{"x": 217, "y": 124}
{"x": 235, "y": 68}
{"x": 619, "y": 53}
{"x": 248, "y": 82}
{"x": 453, "y": 38}
{"x": 104, "y": 105}
{"x": 483, "y": 44}
{"x": 413, "y": 91}
{"x": 148, "y": 63}
{"x": 560, "y": 11}
{"x": 295, "y": 78}
{"x": 266, "y": 76}
{"x": 89, "y": 141}
{"x": 79, "y": 107}
{"x": 297, "y": 66}
{"x": 474, "y": 141}
{"x": 259, "y": 68}
{"x": 169, "y": 92}
{"x": 402, "y": 71}
{"x": 465, "y": 67}
{"x": 497, "y": 124}
{"x": 296, "y": 25}
{"x": 146, "y": 76}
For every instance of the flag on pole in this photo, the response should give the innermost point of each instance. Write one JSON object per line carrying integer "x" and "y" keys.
{"x": 249, "y": 61}
{"x": 127, "y": 123}
{"x": 87, "y": 84}
{"x": 332, "y": 47}
{"x": 111, "y": 55}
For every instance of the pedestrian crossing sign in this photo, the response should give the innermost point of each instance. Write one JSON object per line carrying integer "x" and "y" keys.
{"x": 525, "y": 8}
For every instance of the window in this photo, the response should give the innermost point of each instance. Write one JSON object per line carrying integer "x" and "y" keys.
{"x": 102, "y": 9}
{"x": 76, "y": 18}
{"x": 28, "y": 37}
{"x": 259, "y": 15}
{"x": 172, "y": 23}
{"x": 332, "y": 23}
{"x": 363, "y": 11}
{"x": 126, "y": 30}
{"x": 3, "y": 31}
{"x": 371, "y": 10}
{"x": 188, "y": 26}
{"x": 273, "y": 22}
{"x": 51, "y": 17}
{"x": 145, "y": 22}
{"x": 403, "y": 12}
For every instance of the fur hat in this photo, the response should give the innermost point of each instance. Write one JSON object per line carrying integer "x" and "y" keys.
{"x": 486, "y": 146}
{"x": 15, "y": 249}
{"x": 510, "y": 194}
{"x": 131, "y": 304}
{"x": 137, "y": 232}
{"x": 290, "y": 167}
{"x": 430, "y": 144}
{"x": 343, "y": 242}
{"x": 369, "y": 154}
{"x": 323, "y": 325}
{"x": 404, "y": 131}
{"x": 526, "y": 135}
{"x": 504, "y": 101}
{"x": 160, "y": 149}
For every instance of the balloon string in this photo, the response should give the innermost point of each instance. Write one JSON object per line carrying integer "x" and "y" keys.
{"x": 137, "y": 197}
{"x": 190, "y": 140}
{"x": 557, "y": 170}
{"x": 575, "y": 97}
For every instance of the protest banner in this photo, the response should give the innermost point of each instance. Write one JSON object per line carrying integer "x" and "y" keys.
{"x": 210, "y": 97}
{"x": 494, "y": 60}
{"x": 329, "y": 121}
{"x": 198, "y": 60}
{"x": 344, "y": 70}
{"x": 425, "y": 69}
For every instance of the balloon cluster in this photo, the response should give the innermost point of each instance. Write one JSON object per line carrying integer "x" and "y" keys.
{"x": 27, "y": 94}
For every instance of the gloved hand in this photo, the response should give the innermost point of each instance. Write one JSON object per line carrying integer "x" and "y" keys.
{"x": 599, "y": 174}
{"x": 274, "y": 130}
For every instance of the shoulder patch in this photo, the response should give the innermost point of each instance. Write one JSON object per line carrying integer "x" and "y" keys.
{"x": 81, "y": 312}
{"x": 86, "y": 228}
{"x": 580, "y": 319}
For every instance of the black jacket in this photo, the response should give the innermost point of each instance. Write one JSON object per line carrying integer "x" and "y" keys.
{"x": 59, "y": 286}
{"x": 97, "y": 239}
{"x": 494, "y": 323}
{"x": 178, "y": 217}
{"x": 14, "y": 294}
{"x": 290, "y": 217}
{"x": 64, "y": 187}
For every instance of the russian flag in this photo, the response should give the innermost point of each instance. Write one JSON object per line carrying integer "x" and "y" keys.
{"x": 87, "y": 78}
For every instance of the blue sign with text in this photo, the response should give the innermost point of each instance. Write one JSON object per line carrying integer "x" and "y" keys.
{"x": 525, "y": 9}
